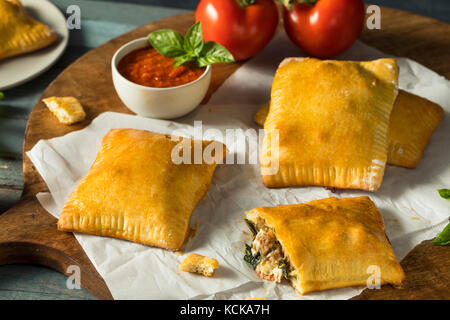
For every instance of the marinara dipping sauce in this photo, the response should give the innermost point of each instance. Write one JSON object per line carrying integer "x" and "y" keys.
{"x": 148, "y": 68}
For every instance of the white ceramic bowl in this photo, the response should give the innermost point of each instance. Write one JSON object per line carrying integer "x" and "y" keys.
{"x": 161, "y": 103}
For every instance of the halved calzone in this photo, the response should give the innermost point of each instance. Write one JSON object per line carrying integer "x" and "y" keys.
{"x": 140, "y": 190}
{"x": 19, "y": 33}
{"x": 413, "y": 121}
{"x": 328, "y": 123}
{"x": 323, "y": 244}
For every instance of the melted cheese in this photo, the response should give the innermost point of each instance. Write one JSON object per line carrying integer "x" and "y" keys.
{"x": 269, "y": 267}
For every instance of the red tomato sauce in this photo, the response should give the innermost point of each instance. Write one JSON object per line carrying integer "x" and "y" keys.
{"x": 149, "y": 68}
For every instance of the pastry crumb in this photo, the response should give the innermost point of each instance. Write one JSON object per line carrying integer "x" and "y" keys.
{"x": 68, "y": 110}
{"x": 196, "y": 263}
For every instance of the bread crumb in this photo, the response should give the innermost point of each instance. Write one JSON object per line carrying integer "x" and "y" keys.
{"x": 68, "y": 110}
{"x": 196, "y": 263}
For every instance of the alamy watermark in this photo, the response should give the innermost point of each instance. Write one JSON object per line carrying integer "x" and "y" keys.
{"x": 74, "y": 280}
{"x": 243, "y": 147}
{"x": 373, "y": 20}
{"x": 74, "y": 18}
{"x": 373, "y": 17}
{"x": 374, "y": 280}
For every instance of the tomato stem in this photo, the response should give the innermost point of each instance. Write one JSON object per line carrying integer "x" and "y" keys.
{"x": 245, "y": 3}
{"x": 290, "y": 3}
{"x": 307, "y": 1}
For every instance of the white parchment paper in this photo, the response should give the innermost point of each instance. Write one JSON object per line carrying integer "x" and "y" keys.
{"x": 411, "y": 207}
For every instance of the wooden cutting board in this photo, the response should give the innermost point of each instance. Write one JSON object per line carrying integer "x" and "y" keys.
{"x": 28, "y": 233}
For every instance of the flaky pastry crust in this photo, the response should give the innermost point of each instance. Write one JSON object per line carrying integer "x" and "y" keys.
{"x": 332, "y": 243}
{"x": 135, "y": 191}
{"x": 331, "y": 119}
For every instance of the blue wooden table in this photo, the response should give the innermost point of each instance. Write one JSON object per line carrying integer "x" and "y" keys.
{"x": 100, "y": 22}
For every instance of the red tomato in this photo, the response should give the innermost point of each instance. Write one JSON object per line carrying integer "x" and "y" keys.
{"x": 243, "y": 29}
{"x": 326, "y": 28}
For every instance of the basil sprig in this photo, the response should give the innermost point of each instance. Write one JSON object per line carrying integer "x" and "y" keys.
{"x": 444, "y": 193}
{"x": 191, "y": 47}
{"x": 443, "y": 238}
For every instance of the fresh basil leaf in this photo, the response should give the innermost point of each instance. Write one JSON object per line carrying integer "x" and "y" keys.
{"x": 182, "y": 59}
{"x": 2, "y": 95}
{"x": 214, "y": 53}
{"x": 170, "y": 43}
{"x": 252, "y": 227}
{"x": 444, "y": 193}
{"x": 167, "y": 42}
{"x": 443, "y": 238}
{"x": 251, "y": 259}
{"x": 193, "y": 40}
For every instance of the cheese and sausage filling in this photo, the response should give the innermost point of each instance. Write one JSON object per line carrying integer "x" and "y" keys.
{"x": 265, "y": 254}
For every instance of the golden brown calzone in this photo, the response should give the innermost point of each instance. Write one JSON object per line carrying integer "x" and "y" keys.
{"x": 19, "y": 33}
{"x": 328, "y": 123}
{"x": 323, "y": 244}
{"x": 136, "y": 191}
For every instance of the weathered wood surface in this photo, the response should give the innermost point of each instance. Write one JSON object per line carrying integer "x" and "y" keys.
{"x": 37, "y": 240}
{"x": 19, "y": 282}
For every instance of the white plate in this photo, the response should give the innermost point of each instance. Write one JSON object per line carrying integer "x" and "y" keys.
{"x": 19, "y": 69}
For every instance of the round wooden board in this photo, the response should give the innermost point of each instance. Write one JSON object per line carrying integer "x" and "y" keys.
{"x": 28, "y": 233}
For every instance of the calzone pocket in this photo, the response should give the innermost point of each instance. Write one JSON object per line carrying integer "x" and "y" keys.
{"x": 323, "y": 244}
{"x": 139, "y": 190}
{"x": 328, "y": 123}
